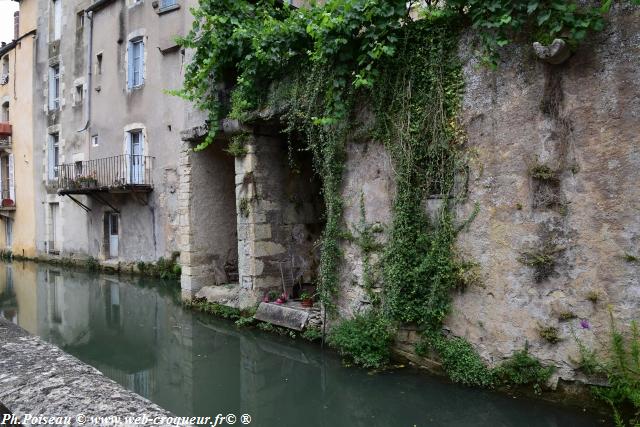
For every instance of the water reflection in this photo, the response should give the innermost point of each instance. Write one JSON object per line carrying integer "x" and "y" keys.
{"x": 138, "y": 335}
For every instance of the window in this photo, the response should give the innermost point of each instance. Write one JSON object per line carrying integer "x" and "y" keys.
{"x": 94, "y": 140}
{"x": 167, "y": 3}
{"x": 5, "y": 112}
{"x": 80, "y": 20}
{"x": 135, "y": 159}
{"x": 54, "y": 87}
{"x": 78, "y": 168}
{"x": 99, "y": 63}
{"x": 54, "y": 155}
{"x": 79, "y": 94}
{"x": 136, "y": 63}
{"x": 4, "y": 76}
{"x": 57, "y": 19}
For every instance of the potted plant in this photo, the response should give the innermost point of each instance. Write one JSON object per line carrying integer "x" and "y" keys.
{"x": 270, "y": 296}
{"x": 282, "y": 299}
{"x": 307, "y": 299}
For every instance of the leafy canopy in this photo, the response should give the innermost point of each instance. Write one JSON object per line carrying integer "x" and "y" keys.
{"x": 249, "y": 44}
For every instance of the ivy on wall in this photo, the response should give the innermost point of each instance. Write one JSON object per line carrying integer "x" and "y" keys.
{"x": 313, "y": 65}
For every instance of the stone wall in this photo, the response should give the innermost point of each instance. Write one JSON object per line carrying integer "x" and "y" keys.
{"x": 279, "y": 213}
{"x": 207, "y": 231}
{"x": 582, "y": 120}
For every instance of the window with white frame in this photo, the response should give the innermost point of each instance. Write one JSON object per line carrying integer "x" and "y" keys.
{"x": 167, "y": 3}
{"x": 136, "y": 63}
{"x": 54, "y": 87}
{"x": 54, "y": 155}
{"x": 94, "y": 140}
{"x": 5, "y": 64}
{"x": 5, "y": 112}
{"x": 57, "y": 19}
{"x": 134, "y": 153}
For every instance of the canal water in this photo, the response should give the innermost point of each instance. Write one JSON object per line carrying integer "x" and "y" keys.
{"x": 136, "y": 332}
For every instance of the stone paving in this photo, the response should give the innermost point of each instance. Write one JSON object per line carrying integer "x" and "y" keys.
{"x": 39, "y": 379}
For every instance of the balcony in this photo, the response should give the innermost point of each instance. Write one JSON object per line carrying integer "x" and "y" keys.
{"x": 7, "y": 201}
{"x": 5, "y": 135}
{"x": 119, "y": 174}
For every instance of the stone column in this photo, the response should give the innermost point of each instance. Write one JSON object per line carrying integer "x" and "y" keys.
{"x": 258, "y": 210}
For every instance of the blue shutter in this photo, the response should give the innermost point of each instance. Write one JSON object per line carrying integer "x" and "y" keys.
{"x": 130, "y": 65}
{"x": 141, "y": 62}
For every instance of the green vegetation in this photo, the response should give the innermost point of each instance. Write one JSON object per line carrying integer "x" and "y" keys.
{"x": 543, "y": 173}
{"x": 593, "y": 296}
{"x": 314, "y": 68}
{"x": 244, "y": 207}
{"x": 499, "y": 21}
{"x": 622, "y": 369}
{"x": 236, "y": 147}
{"x": 312, "y": 334}
{"x": 566, "y": 315}
{"x": 218, "y": 310}
{"x": 366, "y": 339}
{"x": 461, "y": 362}
{"x": 623, "y": 374}
{"x": 166, "y": 269}
{"x": 542, "y": 260}
{"x": 92, "y": 264}
{"x": 550, "y": 334}
{"x": 523, "y": 369}
{"x": 631, "y": 258}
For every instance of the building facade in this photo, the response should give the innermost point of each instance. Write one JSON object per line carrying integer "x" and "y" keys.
{"x": 108, "y": 131}
{"x": 17, "y": 206}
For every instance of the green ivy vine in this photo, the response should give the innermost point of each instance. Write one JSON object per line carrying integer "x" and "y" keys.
{"x": 313, "y": 66}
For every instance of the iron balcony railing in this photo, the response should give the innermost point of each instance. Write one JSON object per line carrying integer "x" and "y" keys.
{"x": 7, "y": 198}
{"x": 5, "y": 134}
{"x": 124, "y": 172}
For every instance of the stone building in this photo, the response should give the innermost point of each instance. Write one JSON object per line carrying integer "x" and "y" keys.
{"x": 581, "y": 118}
{"x": 589, "y": 213}
{"x": 17, "y": 207}
{"x": 108, "y": 132}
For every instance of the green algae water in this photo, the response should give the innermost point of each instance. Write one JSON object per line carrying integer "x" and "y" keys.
{"x": 136, "y": 332}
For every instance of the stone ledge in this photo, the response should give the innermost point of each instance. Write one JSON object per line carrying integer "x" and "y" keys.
{"x": 38, "y": 378}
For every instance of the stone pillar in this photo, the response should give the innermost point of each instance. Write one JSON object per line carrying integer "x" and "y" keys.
{"x": 188, "y": 283}
{"x": 257, "y": 252}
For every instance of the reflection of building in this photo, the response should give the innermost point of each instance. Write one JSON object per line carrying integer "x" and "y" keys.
{"x": 17, "y": 175}
{"x": 66, "y": 304}
{"x": 8, "y": 300}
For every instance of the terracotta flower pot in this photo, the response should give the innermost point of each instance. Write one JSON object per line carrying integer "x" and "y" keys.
{"x": 307, "y": 302}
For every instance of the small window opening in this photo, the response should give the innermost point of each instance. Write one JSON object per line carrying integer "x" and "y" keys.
{"x": 80, "y": 20}
{"x": 99, "y": 64}
{"x": 79, "y": 94}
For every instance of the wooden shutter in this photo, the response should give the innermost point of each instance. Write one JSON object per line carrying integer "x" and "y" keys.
{"x": 141, "y": 61}
{"x": 130, "y": 65}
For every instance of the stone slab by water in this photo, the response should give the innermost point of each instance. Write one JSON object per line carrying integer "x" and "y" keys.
{"x": 282, "y": 316}
{"x": 38, "y": 378}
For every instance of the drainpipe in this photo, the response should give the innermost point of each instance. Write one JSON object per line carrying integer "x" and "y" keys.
{"x": 89, "y": 66}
